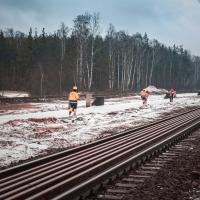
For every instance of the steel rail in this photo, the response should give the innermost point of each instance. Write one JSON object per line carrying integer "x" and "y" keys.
{"x": 51, "y": 179}
{"x": 95, "y": 169}
{"x": 60, "y": 155}
{"x": 125, "y": 165}
{"x": 77, "y": 157}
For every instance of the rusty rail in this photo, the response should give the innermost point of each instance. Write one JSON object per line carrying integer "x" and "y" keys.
{"x": 70, "y": 173}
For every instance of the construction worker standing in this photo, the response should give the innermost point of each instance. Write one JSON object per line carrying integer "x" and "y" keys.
{"x": 171, "y": 94}
{"x": 73, "y": 100}
{"x": 144, "y": 95}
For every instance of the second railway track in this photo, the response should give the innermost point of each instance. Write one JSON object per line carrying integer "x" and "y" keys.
{"x": 72, "y": 173}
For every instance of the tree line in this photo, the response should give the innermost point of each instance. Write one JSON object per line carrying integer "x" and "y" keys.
{"x": 45, "y": 64}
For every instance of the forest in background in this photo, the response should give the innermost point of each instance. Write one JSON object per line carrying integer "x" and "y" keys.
{"x": 50, "y": 64}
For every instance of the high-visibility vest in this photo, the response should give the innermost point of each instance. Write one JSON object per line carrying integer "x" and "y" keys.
{"x": 73, "y": 96}
{"x": 143, "y": 94}
{"x": 171, "y": 92}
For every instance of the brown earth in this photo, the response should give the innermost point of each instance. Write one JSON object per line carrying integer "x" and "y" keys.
{"x": 16, "y": 106}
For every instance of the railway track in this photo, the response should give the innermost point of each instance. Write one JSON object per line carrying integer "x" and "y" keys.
{"x": 146, "y": 181}
{"x": 73, "y": 173}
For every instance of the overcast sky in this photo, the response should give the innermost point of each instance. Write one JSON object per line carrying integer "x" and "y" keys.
{"x": 168, "y": 21}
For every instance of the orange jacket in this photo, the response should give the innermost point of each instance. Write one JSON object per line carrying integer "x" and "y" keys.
{"x": 73, "y": 96}
{"x": 144, "y": 94}
{"x": 171, "y": 92}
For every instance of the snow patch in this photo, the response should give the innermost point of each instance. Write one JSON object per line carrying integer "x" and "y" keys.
{"x": 20, "y": 139}
{"x": 12, "y": 94}
{"x": 153, "y": 90}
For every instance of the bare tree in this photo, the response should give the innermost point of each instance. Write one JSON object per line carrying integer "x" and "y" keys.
{"x": 81, "y": 33}
{"x": 94, "y": 30}
{"x": 155, "y": 52}
{"x": 111, "y": 66}
{"x": 41, "y": 80}
{"x": 62, "y": 33}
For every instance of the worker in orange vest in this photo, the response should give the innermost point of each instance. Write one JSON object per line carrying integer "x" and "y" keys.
{"x": 73, "y": 100}
{"x": 171, "y": 94}
{"x": 144, "y": 95}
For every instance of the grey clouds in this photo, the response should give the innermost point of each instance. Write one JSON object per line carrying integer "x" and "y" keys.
{"x": 168, "y": 21}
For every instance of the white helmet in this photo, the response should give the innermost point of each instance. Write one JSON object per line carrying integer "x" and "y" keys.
{"x": 75, "y": 88}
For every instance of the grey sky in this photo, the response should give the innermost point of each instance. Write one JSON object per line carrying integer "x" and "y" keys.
{"x": 168, "y": 21}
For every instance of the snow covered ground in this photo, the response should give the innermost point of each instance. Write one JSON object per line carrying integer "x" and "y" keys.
{"x": 35, "y": 131}
{"x": 11, "y": 94}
